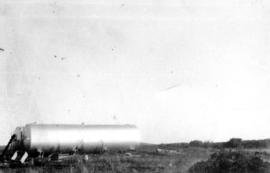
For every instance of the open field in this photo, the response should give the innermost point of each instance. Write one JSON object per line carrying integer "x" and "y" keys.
{"x": 164, "y": 158}
{"x": 140, "y": 161}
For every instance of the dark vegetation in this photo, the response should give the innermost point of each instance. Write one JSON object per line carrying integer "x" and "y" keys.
{"x": 235, "y": 155}
{"x": 231, "y": 162}
{"x": 232, "y": 143}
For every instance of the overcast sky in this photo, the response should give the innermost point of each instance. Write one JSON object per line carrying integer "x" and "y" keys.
{"x": 179, "y": 70}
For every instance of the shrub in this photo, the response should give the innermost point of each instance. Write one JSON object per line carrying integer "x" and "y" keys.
{"x": 231, "y": 162}
{"x": 234, "y": 143}
{"x": 196, "y": 143}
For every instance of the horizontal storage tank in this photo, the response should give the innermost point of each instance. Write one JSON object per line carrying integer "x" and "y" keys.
{"x": 84, "y": 138}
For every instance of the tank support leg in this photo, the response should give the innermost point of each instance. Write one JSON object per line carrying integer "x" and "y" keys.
{"x": 24, "y": 157}
{"x": 14, "y": 156}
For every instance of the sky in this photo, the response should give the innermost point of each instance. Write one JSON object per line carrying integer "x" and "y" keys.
{"x": 179, "y": 70}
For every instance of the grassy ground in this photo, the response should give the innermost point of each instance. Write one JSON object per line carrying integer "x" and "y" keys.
{"x": 146, "y": 161}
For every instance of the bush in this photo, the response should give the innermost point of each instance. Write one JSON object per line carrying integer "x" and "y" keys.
{"x": 231, "y": 162}
{"x": 234, "y": 143}
{"x": 196, "y": 143}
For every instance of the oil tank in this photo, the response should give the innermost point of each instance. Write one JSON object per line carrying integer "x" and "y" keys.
{"x": 80, "y": 137}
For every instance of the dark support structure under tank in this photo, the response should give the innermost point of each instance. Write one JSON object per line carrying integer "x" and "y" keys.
{"x": 12, "y": 138}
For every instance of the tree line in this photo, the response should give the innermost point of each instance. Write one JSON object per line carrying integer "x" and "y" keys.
{"x": 232, "y": 143}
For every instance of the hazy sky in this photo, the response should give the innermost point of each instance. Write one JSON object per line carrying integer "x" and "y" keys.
{"x": 179, "y": 70}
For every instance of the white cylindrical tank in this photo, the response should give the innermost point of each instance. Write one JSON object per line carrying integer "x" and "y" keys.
{"x": 85, "y": 138}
